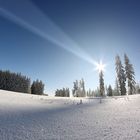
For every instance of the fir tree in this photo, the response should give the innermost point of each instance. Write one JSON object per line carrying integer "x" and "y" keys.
{"x": 137, "y": 87}
{"x": 120, "y": 76}
{"x": 101, "y": 81}
{"x": 90, "y": 93}
{"x": 110, "y": 91}
{"x": 130, "y": 75}
{"x": 75, "y": 88}
{"x": 82, "y": 87}
{"x": 79, "y": 88}
{"x": 116, "y": 89}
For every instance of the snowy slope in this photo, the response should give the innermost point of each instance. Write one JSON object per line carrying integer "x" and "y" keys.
{"x": 31, "y": 117}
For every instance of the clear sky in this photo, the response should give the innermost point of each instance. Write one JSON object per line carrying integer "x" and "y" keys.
{"x": 58, "y": 41}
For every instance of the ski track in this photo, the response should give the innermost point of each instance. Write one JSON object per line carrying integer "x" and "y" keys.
{"x": 31, "y": 117}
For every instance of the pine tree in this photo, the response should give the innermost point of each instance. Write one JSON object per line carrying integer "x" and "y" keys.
{"x": 75, "y": 88}
{"x": 120, "y": 76}
{"x": 90, "y": 93}
{"x": 82, "y": 87}
{"x": 130, "y": 75}
{"x": 79, "y": 88}
{"x": 101, "y": 81}
{"x": 116, "y": 89}
{"x": 137, "y": 87}
{"x": 106, "y": 90}
{"x": 110, "y": 91}
{"x": 87, "y": 94}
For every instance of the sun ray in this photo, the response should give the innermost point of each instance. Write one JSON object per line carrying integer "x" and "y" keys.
{"x": 39, "y": 23}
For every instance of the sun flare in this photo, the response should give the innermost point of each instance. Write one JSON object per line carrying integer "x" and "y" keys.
{"x": 100, "y": 66}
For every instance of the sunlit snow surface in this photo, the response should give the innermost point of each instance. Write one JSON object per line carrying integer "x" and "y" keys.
{"x": 30, "y": 117}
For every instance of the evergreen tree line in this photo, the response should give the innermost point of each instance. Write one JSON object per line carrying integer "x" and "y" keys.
{"x": 124, "y": 84}
{"x": 90, "y": 93}
{"x": 37, "y": 87}
{"x": 65, "y": 92}
{"x": 125, "y": 79}
{"x": 93, "y": 93}
{"x": 19, "y": 83}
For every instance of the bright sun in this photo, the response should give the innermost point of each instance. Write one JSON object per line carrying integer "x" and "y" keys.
{"x": 100, "y": 66}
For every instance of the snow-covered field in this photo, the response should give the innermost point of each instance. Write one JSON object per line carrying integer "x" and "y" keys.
{"x": 32, "y": 117}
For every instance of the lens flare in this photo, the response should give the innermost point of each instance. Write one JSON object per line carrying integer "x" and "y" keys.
{"x": 100, "y": 66}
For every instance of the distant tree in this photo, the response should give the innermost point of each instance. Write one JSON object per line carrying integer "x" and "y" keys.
{"x": 97, "y": 92}
{"x": 37, "y": 87}
{"x": 110, "y": 91}
{"x": 82, "y": 88}
{"x": 106, "y": 90}
{"x": 101, "y": 81}
{"x": 130, "y": 75}
{"x": 120, "y": 76}
{"x": 79, "y": 88}
{"x": 87, "y": 93}
{"x": 116, "y": 89}
{"x": 57, "y": 93}
{"x": 75, "y": 88}
{"x": 90, "y": 93}
{"x": 65, "y": 92}
{"x": 137, "y": 87}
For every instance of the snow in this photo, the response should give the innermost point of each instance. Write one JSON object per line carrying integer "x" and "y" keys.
{"x": 33, "y": 117}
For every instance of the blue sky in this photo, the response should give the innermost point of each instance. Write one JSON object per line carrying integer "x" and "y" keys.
{"x": 55, "y": 41}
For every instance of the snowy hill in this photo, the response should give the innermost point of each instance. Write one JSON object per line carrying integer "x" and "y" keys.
{"x": 33, "y": 117}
